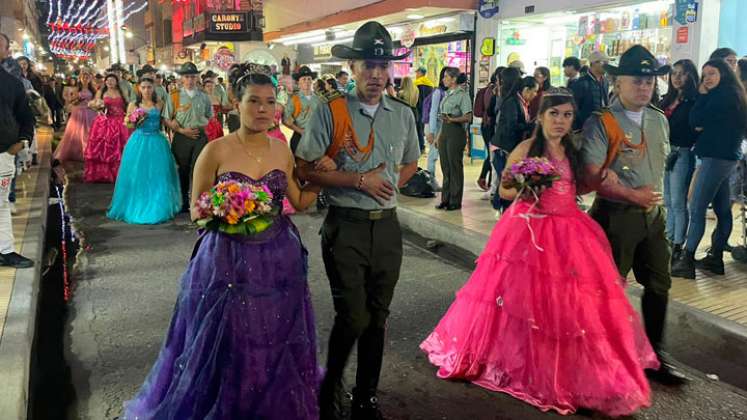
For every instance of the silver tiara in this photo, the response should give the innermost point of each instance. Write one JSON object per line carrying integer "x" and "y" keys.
{"x": 557, "y": 91}
{"x": 252, "y": 69}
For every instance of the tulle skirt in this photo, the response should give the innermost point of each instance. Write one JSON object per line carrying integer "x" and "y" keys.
{"x": 214, "y": 129}
{"x": 147, "y": 189}
{"x": 552, "y": 327}
{"x": 73, "y": 143}
{"x": 104, "y": 150}
{"x": 242, "y": 343}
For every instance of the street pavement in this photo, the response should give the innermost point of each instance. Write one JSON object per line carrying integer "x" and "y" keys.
{"x": 127, "y": 282}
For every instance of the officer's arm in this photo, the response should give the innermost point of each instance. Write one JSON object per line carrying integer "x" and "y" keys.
{"x": 300, "y": 198}
{"x": 593, "y": 156}
{"x": 412, "y": 152}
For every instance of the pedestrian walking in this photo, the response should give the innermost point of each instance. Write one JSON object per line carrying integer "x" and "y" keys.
{"x": 193, "y": 110}
{"x": 241, "y": 343}
{"x": 630, "y": 141}
{"x": 533, "y": 319}
{"x": 373, "y": 139}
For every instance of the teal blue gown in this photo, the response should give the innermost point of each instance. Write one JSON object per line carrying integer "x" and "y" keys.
{"x": 147, "y": 189}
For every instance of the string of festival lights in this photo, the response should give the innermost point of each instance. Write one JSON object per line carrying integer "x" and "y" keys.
{"x": 77, "y": 25}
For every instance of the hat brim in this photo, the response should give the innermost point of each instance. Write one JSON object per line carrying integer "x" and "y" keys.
{"x": 298, "y": 76}
{"x": 620, "y": 71}
{"x": 348, "y": 53}
{"x": 184, "y": 73}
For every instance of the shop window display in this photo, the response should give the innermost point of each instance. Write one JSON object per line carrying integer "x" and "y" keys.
{"x": 547, "y": 40}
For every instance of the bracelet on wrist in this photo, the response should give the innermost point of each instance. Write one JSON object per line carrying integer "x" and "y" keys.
{"x": 360, "y": 182}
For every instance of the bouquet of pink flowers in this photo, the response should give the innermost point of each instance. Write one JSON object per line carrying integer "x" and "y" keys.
{"x": 236, "y": 208}
{"x": 531, "y": 176}
{"x": 136, "y": 118}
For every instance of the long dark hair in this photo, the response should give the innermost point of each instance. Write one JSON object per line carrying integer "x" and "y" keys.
{"x": 539, "y": 142}
{"x": 689, "y": 90}
{"x": 733, "y": 87}
{"x": 510, "y": 77}
{"x": 742, "y": 66}
{"x": 546, "y": 73}
{"x": 527, "y": 82}
{"x": 153, "y": 96}
{"x": 441, "y": 79}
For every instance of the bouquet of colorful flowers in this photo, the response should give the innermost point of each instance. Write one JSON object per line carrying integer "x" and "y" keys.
{"x": 97, "y": 105}
{"x": 136, "y": 118}
{"x": 236, "y": 208}
{"x": 531, "y": 175}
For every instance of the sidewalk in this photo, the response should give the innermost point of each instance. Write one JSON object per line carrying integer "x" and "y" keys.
{"x": 19, "y": 288}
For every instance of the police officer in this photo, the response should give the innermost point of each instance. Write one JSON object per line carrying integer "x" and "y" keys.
{"x": 192, "y": 112}
{"x": 361, "y": 236}
{"x": 625, "y": 148}
{"x": 300, "y": 105}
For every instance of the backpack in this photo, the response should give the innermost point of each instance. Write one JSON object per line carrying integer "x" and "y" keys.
{"x": 427, "y": 103}
{"x": 420, "y": 185}
{"x": 478, "y": 109}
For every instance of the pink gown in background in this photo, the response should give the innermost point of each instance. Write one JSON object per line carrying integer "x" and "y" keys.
{"x": 277, "y": 133}
{"x": 106, "y": 142}
{"x": 544, "y": 316}
{"x": 73, "y": 143}
{"x": 214, "y": 129}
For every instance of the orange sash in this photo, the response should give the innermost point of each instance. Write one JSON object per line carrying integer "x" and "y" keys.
{"x": 342, "y": 129}
{"x": 616, "y": 137}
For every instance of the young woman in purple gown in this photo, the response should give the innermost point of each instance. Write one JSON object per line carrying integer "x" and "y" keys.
{"x": 242, "y": 343}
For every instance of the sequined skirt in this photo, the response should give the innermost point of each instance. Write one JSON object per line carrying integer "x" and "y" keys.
{"x": 241, "y": 343}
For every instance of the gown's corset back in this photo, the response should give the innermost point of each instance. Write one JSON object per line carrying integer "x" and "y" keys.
{"x": 115, "y": 107}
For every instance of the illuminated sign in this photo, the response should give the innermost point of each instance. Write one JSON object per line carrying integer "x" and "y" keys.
{"x": 228, "y": 22}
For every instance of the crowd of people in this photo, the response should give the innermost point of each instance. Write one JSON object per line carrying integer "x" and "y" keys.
{"x": 242, "y": 341}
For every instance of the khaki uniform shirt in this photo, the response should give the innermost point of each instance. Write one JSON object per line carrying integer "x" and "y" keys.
{"x": 635, "y": 169}
{"x": 193, "y": 112}
{"x": 396, "y": 144}
{"x": 168, "y": 108}
{"x": 456, "y": 103}
{"x": 307, "y": 108}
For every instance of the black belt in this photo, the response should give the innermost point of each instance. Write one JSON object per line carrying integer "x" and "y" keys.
{"x": 359, "y": 214}
{"x": 613, "y": 205}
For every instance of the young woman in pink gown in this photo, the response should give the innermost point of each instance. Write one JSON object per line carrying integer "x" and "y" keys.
{"x": 544, "y": 316}
{"x": 277, "y": 133}
{"x": 108, "y": 135}
{"x": 73, "y": 143}
{"x": 214, "y": 129}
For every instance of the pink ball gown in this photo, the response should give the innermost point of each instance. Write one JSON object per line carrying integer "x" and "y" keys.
{"x": 544, "y": 316}
{"x": 73, "y": 143}
{"x": 277, "y": 133}
{"x": 214, "y": 129}
{"x": 106, "y": 142}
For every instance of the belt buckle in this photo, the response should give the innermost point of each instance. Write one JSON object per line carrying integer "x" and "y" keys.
{"x": 375, "y": 214}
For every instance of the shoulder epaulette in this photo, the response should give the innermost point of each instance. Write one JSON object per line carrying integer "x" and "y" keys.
{"x": 402, "y": 101}
{"x": 657, "y": 109}
{"x": 328, "y": 97}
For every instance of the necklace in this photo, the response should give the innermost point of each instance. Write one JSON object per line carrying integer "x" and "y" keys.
{"x": 244, "y": 148}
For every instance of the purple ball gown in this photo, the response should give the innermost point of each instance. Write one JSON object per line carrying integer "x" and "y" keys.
{"x": 242, "y": 343}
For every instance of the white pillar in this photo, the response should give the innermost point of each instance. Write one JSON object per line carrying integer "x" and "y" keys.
{"x": 111, "y": 19}
{"x": 702, "y": 35}
{"x": 120, "y": 32}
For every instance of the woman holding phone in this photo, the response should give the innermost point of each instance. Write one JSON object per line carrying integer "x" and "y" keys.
{"x": 455, "y": 111}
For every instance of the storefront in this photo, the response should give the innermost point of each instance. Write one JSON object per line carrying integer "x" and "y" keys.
{"x": 546, "y": 39}
{"x": 436, "y": 42}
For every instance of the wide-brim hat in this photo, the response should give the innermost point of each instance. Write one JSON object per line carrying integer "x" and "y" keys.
{"x": 303, "y": 72}
{"x": 370, "y": 42}
{"x": 637, "y": 61}
{"x": 115, "y": 67}
{"x": 187, "y": 68}
{"x": 146, "y": 69}
{"x": 210, "y": 75}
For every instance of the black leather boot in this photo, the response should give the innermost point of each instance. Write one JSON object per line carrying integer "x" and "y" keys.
{"x": 685, "y": 266}
{"x": 654, "y": 308}
{"x": 676, "y": 252}
{"x": 365, "y": 405}
{"x": 713, "y": 262}
{"x": 332, "y": 400}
